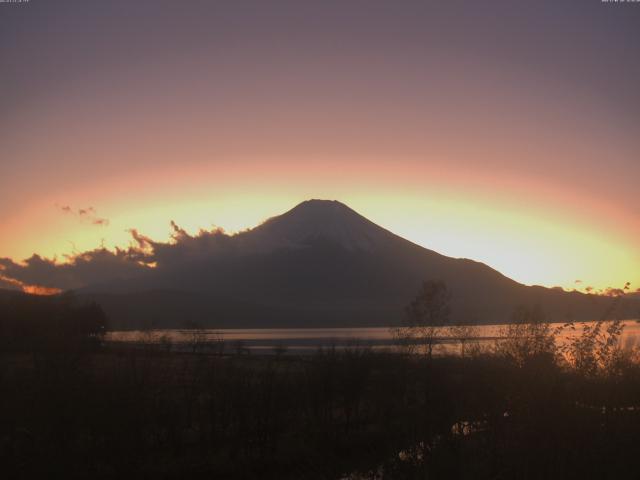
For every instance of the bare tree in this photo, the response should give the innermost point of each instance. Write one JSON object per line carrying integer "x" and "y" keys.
{"x": 425, "y": 316}
{"x": 529, "y": 335}
{"x": 597, "y": 350}
{"x": 464, "y": 334}
{"x": 197, "y": 339}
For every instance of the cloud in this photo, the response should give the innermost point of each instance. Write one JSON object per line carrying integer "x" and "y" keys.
{"x": 613, "y": 292}
{"x": 183, "y": 248}
{"x": 143, "y": 242}
{"x": 9, "y": 284}
{"x": 103, "y": 265}
{"x": 13, "y": 284}
{"x": 92, "y": 267}
{"x": 86, "y": 215}
{"x": 86, "y": 211}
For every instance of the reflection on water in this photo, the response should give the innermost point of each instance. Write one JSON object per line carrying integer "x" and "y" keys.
{"x": 300, "y": 340}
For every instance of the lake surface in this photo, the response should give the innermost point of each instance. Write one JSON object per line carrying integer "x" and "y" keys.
{"x": 307, "y": 340}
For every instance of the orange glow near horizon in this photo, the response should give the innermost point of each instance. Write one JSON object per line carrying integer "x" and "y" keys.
{"x": 32, "y": 289}
{"x": 533, "y": 235}
{"x": 38, "y": 290}
{"x": 518, "y": 152}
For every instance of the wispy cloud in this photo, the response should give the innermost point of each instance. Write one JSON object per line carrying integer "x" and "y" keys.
{"x": 86, "y": 215}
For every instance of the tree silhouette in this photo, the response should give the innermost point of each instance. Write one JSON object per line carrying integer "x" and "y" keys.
{"x": 425, "y": 316}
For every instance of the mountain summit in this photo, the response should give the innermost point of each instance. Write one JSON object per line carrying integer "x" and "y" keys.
{"x": 319, "y": 264}
{"x": 323, "y": 220}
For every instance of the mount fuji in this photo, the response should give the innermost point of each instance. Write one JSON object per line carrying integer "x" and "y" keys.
{"x": 319, "y": 264}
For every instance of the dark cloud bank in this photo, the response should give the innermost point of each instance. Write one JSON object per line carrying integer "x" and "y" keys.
{"x": 319, "y": 264}
{"x": 189, "y": 254}
{"x": 104, "y": 265}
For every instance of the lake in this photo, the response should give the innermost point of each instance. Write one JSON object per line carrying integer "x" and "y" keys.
{"x": 308, "y": 340}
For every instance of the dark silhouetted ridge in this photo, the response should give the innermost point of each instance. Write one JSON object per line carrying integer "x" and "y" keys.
{"x": 320, "y": 264}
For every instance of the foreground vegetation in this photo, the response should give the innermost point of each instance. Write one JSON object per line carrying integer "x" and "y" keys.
{"x": 159, "y": 414}
{"x": 523, "y": 409}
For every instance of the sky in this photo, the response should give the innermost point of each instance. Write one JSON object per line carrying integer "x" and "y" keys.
{"x": 504, "y": 131}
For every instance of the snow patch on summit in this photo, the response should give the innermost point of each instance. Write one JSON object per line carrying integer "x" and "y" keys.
{"x": 320, "y": 220}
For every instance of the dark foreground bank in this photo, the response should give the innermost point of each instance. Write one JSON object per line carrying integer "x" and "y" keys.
{"x": 530, "y": 407}
{"x": 157, "y": 414}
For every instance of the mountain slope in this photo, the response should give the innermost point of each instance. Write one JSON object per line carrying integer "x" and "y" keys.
{"x": 320, "y": 264}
